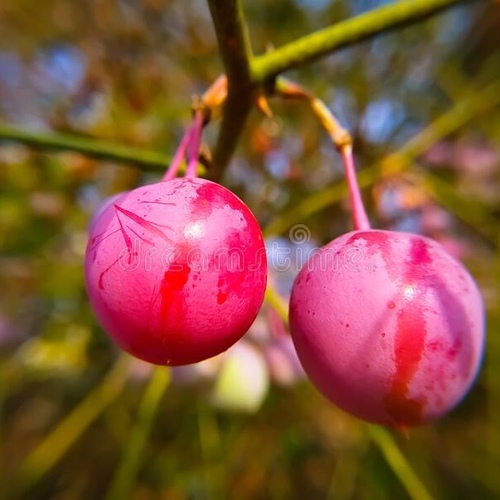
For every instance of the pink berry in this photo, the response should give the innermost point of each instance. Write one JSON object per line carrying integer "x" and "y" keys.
{"x": 388, "y": 326}
{"x": 176, "y": 271}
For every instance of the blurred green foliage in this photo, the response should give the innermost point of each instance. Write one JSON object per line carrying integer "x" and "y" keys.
{"x": 124, "y": 71}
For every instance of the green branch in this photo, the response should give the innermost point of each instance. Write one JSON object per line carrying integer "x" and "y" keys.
{"x": 398, "y": 463}
{"x": 55, "y": 444}
{"x": 236, "y": 53}
{"x": 147, "y": 160}
{"x": 357, "y": 29}
{"x": 133, "y": 453}
{"x": 244, "y": 73}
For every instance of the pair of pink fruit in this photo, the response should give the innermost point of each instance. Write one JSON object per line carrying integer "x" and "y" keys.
{"x": 387, "y": 325}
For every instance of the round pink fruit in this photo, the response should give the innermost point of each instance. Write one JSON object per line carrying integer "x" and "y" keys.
{"x": 176, "y": 271}
{"x": 388, "y": 326}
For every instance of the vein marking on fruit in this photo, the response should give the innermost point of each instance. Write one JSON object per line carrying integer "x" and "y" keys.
{"x": 99, "y": 238}
{"x": 157, "y": 202}
{"x": 149, "y": 226}
{"x": 124, "y": 228}
{"x": 101, "y": 276}
{"x": 140, "y": 236}
{"x": 126, "y": 237}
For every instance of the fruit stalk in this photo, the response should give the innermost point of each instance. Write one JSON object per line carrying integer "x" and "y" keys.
{"x": 194, "y": 145}
{"x": 179, "y": 156}
{"x": 359, "y": 217}
{"x": 205, "y": 108}
{"x": 340, "y": 138}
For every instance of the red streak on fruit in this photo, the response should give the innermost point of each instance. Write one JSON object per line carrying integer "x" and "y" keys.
{"x": 172, "y": 284}
{"x": 176, "y": 277}
{"x": 173, "y": 302}
{"x": 221, "y": 297}
{"x": 375, "y": 241}
{"x": 420, "y": 261}
{"x": 408, "y": 347}
{"x": 206, "y": 201}
{"x": 410, "y": 337}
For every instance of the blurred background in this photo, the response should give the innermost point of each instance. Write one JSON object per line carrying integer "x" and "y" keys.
{"x": 77, "y": 419}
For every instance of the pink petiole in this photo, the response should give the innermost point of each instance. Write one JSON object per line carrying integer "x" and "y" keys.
{"x": 360, "y": 219}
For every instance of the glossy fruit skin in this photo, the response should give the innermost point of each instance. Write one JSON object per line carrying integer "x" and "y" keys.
{"x": 388, "y": 326}
{"x": 176, "y": 271}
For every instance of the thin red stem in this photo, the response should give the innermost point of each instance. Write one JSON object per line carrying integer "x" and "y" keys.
{"x": 359, "y": 217}
{"x": 179, "y": 156}
{"x": 194, "y": 145}
{"x": 340, "y": 138}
